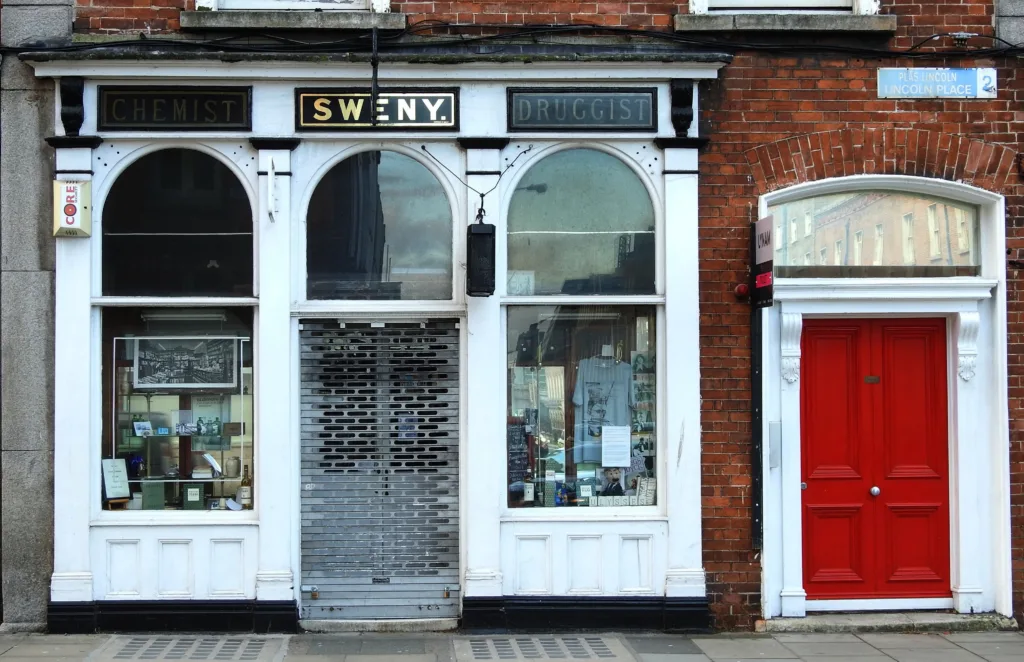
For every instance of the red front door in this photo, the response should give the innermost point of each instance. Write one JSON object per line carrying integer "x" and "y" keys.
{"x": 875, "y": 458}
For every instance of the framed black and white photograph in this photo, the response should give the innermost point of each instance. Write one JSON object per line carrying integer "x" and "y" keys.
{"x": 163, "y": 363}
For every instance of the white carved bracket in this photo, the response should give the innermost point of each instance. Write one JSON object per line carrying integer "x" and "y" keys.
{"x": 968, "y": 325}
{"x": 792, "y": 327}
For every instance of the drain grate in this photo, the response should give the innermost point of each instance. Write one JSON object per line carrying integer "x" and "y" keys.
{"x": 218, "y": 649}
{"x": 541, "y": 648}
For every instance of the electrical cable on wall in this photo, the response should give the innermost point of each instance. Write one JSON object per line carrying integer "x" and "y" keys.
{"x": 373, "y": 44}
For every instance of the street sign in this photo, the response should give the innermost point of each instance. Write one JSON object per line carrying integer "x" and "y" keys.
{"x": 761, "y": 294}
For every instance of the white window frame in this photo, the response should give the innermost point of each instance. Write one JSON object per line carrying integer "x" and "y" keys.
{"x": 838, "y": 254}
{"x": 784, "y": 6}
{"x": 808, "y": 224}
{"x": 879, "y": 247}
{"x": 934, "y": 245}
{"x": 792, "y": 231}
{"x": 858, "y": 247}
{"x": 909, "y": 254}
{"x": 823, "y": 256}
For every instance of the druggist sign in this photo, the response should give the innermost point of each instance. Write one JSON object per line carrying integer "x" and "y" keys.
{"x": 762, "y": 295}
{"x": 72, "y": 209}
{"x": 937, "y": 83}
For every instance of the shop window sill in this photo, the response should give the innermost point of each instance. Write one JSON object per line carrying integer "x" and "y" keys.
{"x": 290, "y": 20}
{"x": 830, "y": 23}
{"x": 174, "y": 518}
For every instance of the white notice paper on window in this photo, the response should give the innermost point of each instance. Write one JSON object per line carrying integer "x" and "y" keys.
{"x": 615, "y": 445}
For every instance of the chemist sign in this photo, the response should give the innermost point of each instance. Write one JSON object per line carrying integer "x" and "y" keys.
{"x": 936, "y": 83}
{"x": 72, "y": 209}
{"x": 763, "y": 245}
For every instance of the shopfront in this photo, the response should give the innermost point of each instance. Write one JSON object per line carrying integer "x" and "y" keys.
{"x": 277, "y": 401}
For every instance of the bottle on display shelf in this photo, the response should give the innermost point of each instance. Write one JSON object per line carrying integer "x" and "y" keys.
{"x": 245, "y": 490}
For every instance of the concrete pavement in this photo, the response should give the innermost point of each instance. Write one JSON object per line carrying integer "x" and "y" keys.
{"x": 460, "y": 647}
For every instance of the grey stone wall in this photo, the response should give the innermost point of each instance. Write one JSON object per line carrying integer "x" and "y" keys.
{"x": 1010, "y": 20}
{"x": 26, "y": 313}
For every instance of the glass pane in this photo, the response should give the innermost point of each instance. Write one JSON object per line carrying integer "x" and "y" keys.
{"x": 177, "y": 223}
{"x": 379, "y": 227}
{"x": 178, "y": 396}
{"x": 580, "y": 222}
{"x": 875, "y": 233}
{"x": 582, "y": 390}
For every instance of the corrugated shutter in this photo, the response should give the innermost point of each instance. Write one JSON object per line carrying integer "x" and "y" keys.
{"x": 380, "y": 475}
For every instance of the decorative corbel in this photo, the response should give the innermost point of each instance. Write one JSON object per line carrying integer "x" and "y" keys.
{"x": 682, "y": 106}
{"x": 72, "y": 106}
{"x": 792, "y": 328}
{"x": 968, "y": 326}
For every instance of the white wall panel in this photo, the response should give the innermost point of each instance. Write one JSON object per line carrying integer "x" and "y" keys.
{"x": 187, "y": 561}
{"x": 602, "y": 557}
{"x": 122, "y": 556}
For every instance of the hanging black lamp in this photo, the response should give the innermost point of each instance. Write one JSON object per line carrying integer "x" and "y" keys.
{"x": 480, "y": 257}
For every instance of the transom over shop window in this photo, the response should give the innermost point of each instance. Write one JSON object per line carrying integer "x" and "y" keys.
{"x": 582, "y": 384}
{"x": 379, "y": 226}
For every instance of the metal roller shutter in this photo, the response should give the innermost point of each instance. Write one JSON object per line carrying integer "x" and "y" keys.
{"x": 380, "y": 475}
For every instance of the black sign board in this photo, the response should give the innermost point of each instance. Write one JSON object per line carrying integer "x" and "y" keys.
{"x": 198, "y": 108}
{"x": 763, "y": 254}
{"x": 574, "y": 109}
{"x": 333, "y": 109}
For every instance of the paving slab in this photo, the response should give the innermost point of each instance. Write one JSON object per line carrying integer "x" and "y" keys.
{"x": 762, "y": 648}
{"x": 672, "y": 657}
{"x": 889, "y": 622}
{"x": 991, "y": 649}
{"x": 832, "y": 649}
{"x": 982, "y": 637}
{"x": 859, "y": 658}
{"x": 48, "y": 650}
{"x": 932, "y": 655}
{"x": 663, "y": 645}
{"x": 823, "y": 638}
{"x": 390, "y": 657}
{"x": 908, "y": 641}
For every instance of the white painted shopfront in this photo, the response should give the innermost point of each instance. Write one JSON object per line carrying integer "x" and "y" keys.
{"x": 513, "y": 553}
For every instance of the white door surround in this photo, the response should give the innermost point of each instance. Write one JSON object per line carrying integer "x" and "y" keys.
{"x": 975, "y": 309}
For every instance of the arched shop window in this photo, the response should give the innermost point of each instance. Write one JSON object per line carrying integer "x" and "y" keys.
{"x": 379, "y": 226}
{"x": 177, "y": 222}
{"x": 177, "y": 381}
{"x": 582, "y": 378}
{"x": 580, "y": 222}
{"x": 875, "y": 233}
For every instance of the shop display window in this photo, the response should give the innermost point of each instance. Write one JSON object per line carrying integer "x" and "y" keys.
{"x": 379, "y": 226}
{"x": 580, "y": 222}
{"x": 177, "y": 222}
{"x": 582, "y": 395}
{"x": 876, "y": 234}
{"x": 178, "y": 396}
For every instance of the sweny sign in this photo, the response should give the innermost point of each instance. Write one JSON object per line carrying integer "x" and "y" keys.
{"x": 334, "y": 109}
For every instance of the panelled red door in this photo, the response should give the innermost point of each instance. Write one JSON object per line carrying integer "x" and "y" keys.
{"x": 874, "y": 447}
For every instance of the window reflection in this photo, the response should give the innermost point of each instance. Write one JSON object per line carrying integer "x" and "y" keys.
{"x": 177, "y": 222}
{"x": 876, "y": 233}
{"x": 580, "y": 222}
{"x": 379, "y": 227}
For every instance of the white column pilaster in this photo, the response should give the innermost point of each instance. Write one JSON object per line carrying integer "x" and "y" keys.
{"x": 77, "y": 368}
{"x": 679, "y": 440}
{"x": 794, "y": 598}
{"x": 484, "y": 447}
{"x": 969, "y": 559}
{"x": 275, "y": 477}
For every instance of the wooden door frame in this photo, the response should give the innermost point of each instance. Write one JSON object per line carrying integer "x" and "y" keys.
{"x": 978, "y": 415}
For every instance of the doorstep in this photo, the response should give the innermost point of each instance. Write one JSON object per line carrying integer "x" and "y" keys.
{"x": 889, "y": 622}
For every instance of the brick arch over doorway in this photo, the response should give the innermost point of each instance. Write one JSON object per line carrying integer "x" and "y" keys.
{"x": 882, "y": 151}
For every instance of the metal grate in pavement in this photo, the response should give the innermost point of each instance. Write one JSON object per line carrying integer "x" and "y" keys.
{"x": 191, "y": 647}
{"x": 548, "y": 647}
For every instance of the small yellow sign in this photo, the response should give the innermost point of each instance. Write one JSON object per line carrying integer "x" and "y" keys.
{"x": 72, "y": 209}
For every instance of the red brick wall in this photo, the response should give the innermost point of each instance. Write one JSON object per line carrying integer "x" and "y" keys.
{"x": 778, "y": 121}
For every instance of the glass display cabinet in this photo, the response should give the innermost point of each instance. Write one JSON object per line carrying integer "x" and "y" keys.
{"x": 182, "y": 420}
